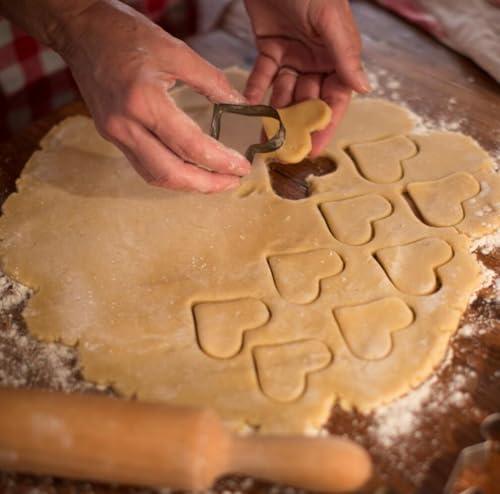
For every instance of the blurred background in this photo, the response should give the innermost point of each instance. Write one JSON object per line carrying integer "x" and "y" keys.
{"x": 34, "y": 80}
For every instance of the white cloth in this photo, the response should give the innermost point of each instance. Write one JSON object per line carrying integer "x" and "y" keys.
{"x": 471, "y": 27}
{"x": 225, "y": 37}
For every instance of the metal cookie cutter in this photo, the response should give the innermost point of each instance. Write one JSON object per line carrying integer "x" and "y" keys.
{"x": 251, "y": 111}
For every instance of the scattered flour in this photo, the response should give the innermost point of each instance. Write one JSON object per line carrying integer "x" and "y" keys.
{"x": 487, "y": 244}
{"x": 401, "y": 417}
{"x": 452, "y": 116}
{"x": 399, "y": 428}
{"x": 25, "y": 361}
{"x": 489, "y": 279}
{"x": 393, "y": 84}
{"x": 466, "y": 331}
{"x": 384, "y": 85}
{"x": 12, "y": 294}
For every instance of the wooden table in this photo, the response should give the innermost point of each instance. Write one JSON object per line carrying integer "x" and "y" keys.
{"x": 439, "y": 85}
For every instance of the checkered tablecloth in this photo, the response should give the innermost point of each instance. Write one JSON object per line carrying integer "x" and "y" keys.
{"x": 34, "y": 80}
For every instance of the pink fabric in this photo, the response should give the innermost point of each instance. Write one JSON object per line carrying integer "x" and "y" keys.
{"x": 471, "y": 27}
{"x": 414, "y": 12}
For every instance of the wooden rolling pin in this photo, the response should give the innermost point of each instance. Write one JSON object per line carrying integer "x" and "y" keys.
{"x": 112, "y": 440}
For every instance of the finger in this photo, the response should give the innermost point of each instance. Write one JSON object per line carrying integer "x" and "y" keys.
{"x": 260, "y": 79}
{"x": 206, "y": 79}
{"x": 160, "y": 166}
{"x": 308, "y": 87}
{"x": 337, "y": 95}
{"x": 283, "y": 87}
{"x": 338, "y": 30}
{"x": 183, "y": 136}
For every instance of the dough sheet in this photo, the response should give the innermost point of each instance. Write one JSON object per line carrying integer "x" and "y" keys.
{"x": 267, "y": 309}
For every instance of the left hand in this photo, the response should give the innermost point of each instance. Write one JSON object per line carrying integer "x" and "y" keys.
{"x": 307, "y": 49}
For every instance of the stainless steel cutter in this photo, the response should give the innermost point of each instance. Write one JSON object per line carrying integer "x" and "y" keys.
{"x": 250, "y": 111}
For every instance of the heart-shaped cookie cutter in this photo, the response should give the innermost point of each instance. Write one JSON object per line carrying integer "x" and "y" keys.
{"x": 250, "y": 111}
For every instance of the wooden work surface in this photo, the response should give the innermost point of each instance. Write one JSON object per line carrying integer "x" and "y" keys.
{"x": 441, "y": 86}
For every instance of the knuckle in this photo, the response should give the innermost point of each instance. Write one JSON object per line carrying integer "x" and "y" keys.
{"x": 356, "y": 43}
{"x": 181, "y": 56}
{"x": 353, "y": 53}
{"x": 167, "y": 181}
{"x": 156, "y": 182}
{"x": 190, "y": 150}
{"x": 353, "y": 46}
{"x": 111, "y": 127}
{"x": 134, "y": 101}
{"x": 159, "y": 181}
{"x": 177, "y": 44}
{"x": 181, "y": 46}
{"x": 221, "y": 80}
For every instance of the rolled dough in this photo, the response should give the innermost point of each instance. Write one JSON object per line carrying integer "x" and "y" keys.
{"x": 267, "y": 309}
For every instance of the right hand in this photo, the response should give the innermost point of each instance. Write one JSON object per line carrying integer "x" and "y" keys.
{"x": 124, "y": 66}
{"x": 306, "y": 49}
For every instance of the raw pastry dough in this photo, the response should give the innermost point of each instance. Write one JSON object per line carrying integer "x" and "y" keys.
{"x": 220, "y": 326}
{"x": 282, "y": 369}
{"x": 380, "y": 161}
{"x": 297, "y": 276}
{"x": 367, "y": 327}
{"x": 440, "y": 202}
{"x": 303, "y": 119}
{"x": 413, "y": 268}
{"x": 351, "y": 220}
{"x": 134, "y": 274}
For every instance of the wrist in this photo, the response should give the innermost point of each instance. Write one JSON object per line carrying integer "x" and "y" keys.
{"x": 49, "y": 21}
{"x": 66, "y": 25}
{"x": 89, "y": 30}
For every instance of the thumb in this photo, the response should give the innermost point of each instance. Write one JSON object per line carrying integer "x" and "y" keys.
{"x": 208, "y": 80}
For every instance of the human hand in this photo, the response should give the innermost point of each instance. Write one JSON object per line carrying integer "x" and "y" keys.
{"x": 124, "y": 66}
{"x": 307, "y": 49}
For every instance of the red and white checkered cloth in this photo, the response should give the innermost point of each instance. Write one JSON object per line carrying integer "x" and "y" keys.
{"x": 34, "y": 80}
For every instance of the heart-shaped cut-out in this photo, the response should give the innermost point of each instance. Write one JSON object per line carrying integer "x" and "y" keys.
{"x": 282, "y": 369}
{"x": 380, "y": 161}
{"x": 367, "y": 328}
{"x": 220, "y": 325}
{"x": 297, "y": 276}
{"x": 412, "y": 267}
{"x": 350, "y": 220}
{"x": 440, "y": 201}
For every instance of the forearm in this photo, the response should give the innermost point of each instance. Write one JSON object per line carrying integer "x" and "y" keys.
{"x": 46, "y": 20}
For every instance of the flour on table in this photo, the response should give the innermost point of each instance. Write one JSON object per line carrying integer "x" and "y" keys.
{"x": 453, "y": 118}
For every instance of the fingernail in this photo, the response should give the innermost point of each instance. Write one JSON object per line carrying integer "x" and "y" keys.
{"x": 364, "y": 82}
{"x": 243, "y": 168}
{"x": 239, "y": 164}
{"x": 237, "y": 98}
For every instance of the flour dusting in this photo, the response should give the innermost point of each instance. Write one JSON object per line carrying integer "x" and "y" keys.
{"x": 402, "y": 416}
{"x": 487, "y": 244}
{"x": 12, "y": 294}
{"x": 25, "y": 361}
{"x": 452, "y": 117}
